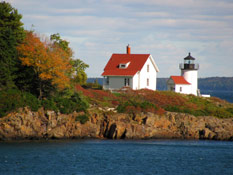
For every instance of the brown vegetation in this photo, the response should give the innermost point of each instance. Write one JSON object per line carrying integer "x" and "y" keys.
{"x": 144, "y": 100}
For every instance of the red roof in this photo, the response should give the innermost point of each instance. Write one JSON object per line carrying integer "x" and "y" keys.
{"x": 179, "y": 80}
{"x": 136, "y": 63}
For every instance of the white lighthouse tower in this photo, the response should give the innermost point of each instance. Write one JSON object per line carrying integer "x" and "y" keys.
{"x": 189, "y": 70}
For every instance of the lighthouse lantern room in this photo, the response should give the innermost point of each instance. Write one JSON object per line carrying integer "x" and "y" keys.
{"x": 189, "y": 63}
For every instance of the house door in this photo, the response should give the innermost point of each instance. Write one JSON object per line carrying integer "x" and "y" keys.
{"x": 127, "y": 82}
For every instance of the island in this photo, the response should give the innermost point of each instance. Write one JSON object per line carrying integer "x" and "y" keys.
{"x": 44, "y": 95}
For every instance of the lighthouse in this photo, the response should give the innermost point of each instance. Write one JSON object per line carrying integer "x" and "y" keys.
{"x": 189, "y": 70}
{"x": 187, "y": 83}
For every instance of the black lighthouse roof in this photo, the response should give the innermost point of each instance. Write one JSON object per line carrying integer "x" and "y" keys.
{"x": 189, "y": 57}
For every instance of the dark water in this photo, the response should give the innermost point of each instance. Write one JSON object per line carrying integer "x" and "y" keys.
{"x": 225, "y": 95}
{"x": 168, "y": 157}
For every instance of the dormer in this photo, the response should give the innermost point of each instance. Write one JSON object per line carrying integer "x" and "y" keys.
{"x": 124, "y": 65}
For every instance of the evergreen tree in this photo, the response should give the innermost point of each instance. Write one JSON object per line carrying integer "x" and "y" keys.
{"x": 11, "y": 34}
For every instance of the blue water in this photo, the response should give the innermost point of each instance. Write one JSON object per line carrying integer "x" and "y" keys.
{"x": 83, "y": 157}
{"x": 225, "y": 95}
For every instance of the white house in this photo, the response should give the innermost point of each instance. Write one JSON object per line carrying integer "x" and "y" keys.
{"x": 178, "y": 84}
{"x": 187, "y": 83}
{"x": 136, "y": 71}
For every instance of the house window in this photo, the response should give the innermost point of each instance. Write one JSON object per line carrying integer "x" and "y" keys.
{"x": 180, "y": 89}
{"x": 124, "y": 65}
{"x": 147, "y": 82}
{"x": 126, "y": 81}
{"x": 148, "y": 68}
{"x": 107, "y": 81}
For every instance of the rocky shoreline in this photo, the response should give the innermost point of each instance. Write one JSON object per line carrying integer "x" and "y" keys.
{"x": 26, "y": 125}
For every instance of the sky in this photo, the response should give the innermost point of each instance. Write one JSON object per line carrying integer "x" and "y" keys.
{"x": 166, "y": 29}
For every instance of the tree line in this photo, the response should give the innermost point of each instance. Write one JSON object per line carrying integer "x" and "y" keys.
{"x": 39, "y": 68}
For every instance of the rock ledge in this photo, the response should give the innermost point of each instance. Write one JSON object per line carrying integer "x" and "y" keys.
{"x": 26, "y": 124}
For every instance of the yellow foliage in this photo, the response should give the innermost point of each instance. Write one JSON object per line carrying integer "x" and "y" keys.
{"x": 48, "y": 60}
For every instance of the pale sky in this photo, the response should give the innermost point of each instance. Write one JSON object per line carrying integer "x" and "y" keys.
{"x": 166, "y": 29}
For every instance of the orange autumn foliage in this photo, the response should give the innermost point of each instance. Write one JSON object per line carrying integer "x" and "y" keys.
{"x": 48, "y": 60}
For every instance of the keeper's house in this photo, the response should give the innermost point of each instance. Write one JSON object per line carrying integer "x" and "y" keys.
{"x": 137, "y": 71}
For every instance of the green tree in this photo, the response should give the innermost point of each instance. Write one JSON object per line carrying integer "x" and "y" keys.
{"x": 79, "y": 68}
{"x": 11, "y": 34}
{"x": 63, "y": 44}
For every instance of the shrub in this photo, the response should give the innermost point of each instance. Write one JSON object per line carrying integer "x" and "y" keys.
{"x": 67, "y": 105}
{"x": 49, "y": 104}
{"x": 173, "y": 108}
{"x": 81, "y": 102}
{"x": 134, "y": 107}
{"x": 31, "y": 101}
{"x": 199, "y": 112}
{"x": 13, "y": 99}
{"x": 10, "y": 100}
{"x": 117, "y": 94}
{"x": 148, "y": 107}
{"x": 82, "y": 118}
{"x": 222, "y": 113}
{"x": 230, "y": 110}
{"x": 122, "y": 107}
